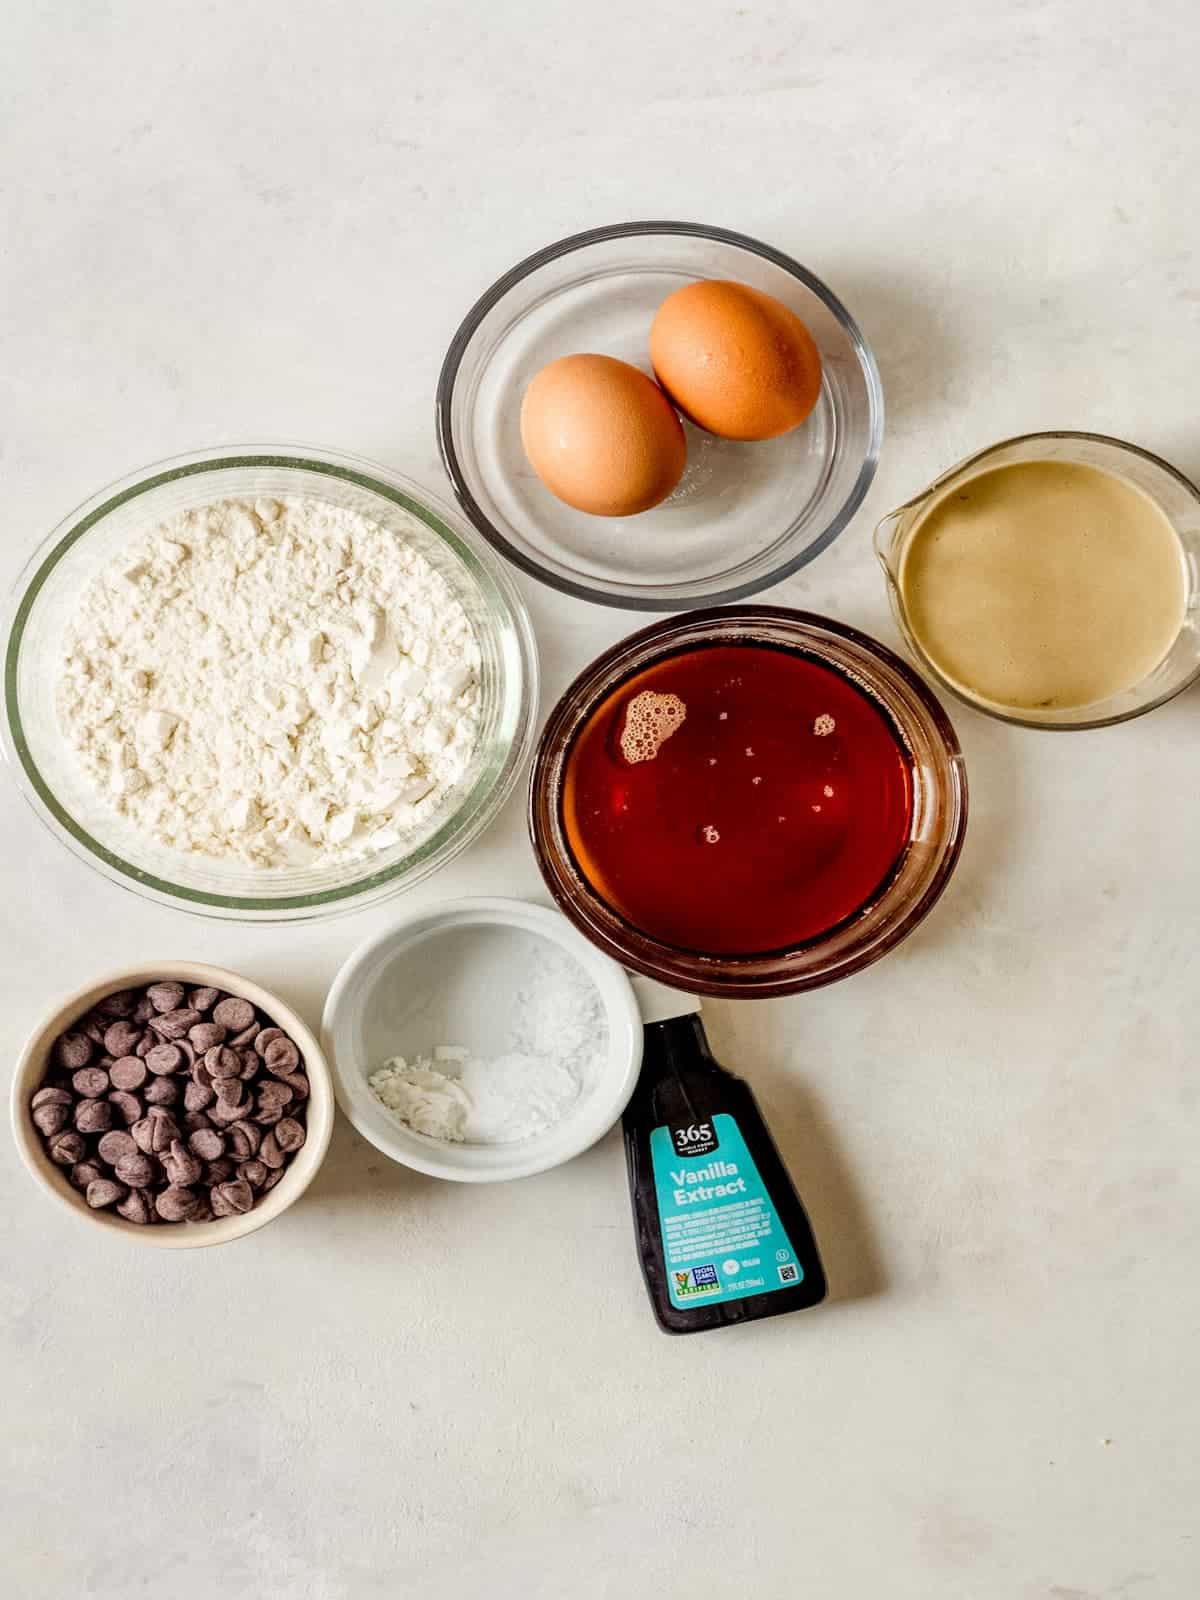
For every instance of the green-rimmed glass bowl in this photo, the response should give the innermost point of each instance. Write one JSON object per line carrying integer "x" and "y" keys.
{"x": 85, "y": 542}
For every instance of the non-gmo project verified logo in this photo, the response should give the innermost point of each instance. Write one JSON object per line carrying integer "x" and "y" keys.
{"x": 697, "y": 1280}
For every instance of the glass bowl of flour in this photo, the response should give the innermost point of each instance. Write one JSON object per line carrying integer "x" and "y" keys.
{"x": 267, "y": 683}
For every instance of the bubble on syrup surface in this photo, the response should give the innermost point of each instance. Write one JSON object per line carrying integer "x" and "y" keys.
{"x": 650, "y": 720}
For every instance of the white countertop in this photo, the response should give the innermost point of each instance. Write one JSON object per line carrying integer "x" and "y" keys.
{"x": 234, "y": 222}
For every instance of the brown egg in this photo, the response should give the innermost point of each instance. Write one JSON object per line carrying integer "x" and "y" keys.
{"x": 602, "y": 436}
{"x": 735, "y": 360}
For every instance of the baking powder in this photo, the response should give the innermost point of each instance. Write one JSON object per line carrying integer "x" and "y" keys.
{"x": 549, "y": 1057}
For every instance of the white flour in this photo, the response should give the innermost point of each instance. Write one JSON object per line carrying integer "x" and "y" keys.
{"x": 551, "y": 1055}
{"x": 280, "y": 681}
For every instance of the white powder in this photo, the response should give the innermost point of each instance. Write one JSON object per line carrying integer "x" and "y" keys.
{"x": 280, "y": 681}
{"x": 549, "y": 1059}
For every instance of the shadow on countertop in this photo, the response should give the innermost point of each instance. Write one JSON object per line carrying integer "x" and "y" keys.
{"x": 354, "y": 1169}
{"x": 819, "y": 1169}
{"x": 826, "y": 1184}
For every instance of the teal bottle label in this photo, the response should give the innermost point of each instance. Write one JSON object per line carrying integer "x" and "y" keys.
{"x": 722, "y": 1237}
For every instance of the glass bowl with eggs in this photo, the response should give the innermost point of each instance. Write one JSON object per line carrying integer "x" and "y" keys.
{"x": 659, "y": 415}
{"x": 267, "y": 683}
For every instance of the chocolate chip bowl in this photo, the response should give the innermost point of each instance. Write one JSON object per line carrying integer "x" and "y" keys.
{"x": 179, "y": 1105}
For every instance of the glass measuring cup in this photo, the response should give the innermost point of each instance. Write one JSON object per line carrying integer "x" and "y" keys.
{"x": 1176, "y": 497}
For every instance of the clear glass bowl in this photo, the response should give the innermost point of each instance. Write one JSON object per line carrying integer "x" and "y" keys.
{"x": 60, "y": 793}
{"x": 936, "y": 830}
{"x": 1176, "y": 496}
{"x": 745, "y": 515}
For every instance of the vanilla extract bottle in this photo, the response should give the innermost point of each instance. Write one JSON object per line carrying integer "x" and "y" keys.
{"x": 722, "y": 1234}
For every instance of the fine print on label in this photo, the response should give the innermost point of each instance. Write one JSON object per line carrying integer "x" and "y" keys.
{"x": 722, "y": 1237}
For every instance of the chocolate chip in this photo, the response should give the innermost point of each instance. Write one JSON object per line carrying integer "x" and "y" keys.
{"x": 203, "y": 1211}
{"x": 273, "y": 1179}
{"x": 121, "y": 1003}
{"x": 181, "y": 1166}
{"x": 143, "y": 1134}
{"x": 201, "y": 1074}
{"x": 222, "y": 1062}
{"x": 234, "y": 1014}
{"x": 93, "y": 1116}
{"x": 175, "y": 1024}
{"x": 83, "y": 1172}
{"x": 232, "y": 1092}
{"x": 254, "y": 1173}
{"x": 144, "y": 1010}
{"x": 91, "y": 1082}
{"x": 114, "y": 1145}
{"x": 137, "y": 1206}
{"x": 123, "y": 1038}
{"x": 144, "y": 1045}
{"x": 250, "y": 1065}
{"x": 175, "y": 1203}
{"x": 165, "y": 997}
{"x": 222, "y": 1113}
{"x": 103, "y": 1191}
{"x": 137, "y": 1170}
{"x": 196, "y": 1097}
{"x": 164, "y": 1059}
{"x": 281, "y": 1056}
{"x": 162, "y": 1092}
{"x": 272, "y": 1096}
{"x": 231, "y": 1199}
{"x": 74, "y": 1050}
{"x": 127, "y": 1073}
{"x": 49, "y": 1096}
{"x": 163, "y": 1129}
{"x": 194, "y": 1121}
{"x": 219, "y": 1171}
{"x": 203, "y": 999}
{"x": 67, "y": 1148}
{"x": 207, "y": 1143}
{"x": 269, "y": 1151}
{"x": 127, "y": 1106}
{"x": 289, "y": 1135}
{"x": 51, "y": 1119}
{"x": 207, "y": 1035}
{"x": 243, "y": 1040}
{"x": 243, "y": 1139}
{"x": 93, "y": 1028}
{"x": 267, "y": 1037}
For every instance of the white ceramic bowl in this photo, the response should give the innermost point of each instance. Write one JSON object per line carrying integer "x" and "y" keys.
{"x": 439, "y": 977}
{"x": 299, "y": 1172}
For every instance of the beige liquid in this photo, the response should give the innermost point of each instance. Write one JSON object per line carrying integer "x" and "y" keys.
{"x": 1044, "y": 584}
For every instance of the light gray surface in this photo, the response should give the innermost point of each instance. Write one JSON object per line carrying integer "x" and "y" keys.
{"x": 236, "y": 221}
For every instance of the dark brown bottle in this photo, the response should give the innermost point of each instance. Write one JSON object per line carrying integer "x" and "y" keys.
{"x": 722, "y": 1234}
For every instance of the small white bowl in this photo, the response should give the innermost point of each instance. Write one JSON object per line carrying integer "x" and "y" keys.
{"x": 299, "y": 1172}
{"x": 438, "y": 978}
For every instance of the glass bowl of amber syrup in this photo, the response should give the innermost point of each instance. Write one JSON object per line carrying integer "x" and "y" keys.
{"x": 747, "y": 801}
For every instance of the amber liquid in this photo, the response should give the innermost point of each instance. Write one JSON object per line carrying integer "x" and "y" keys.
{"x": 774, "y": 811}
